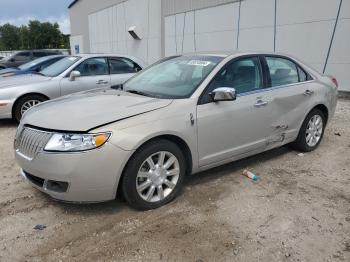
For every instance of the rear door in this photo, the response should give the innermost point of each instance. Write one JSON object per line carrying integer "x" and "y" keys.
{"x": 290, "y": 90}
{"x": 38, "y": 54}
{"x": 93, "y": 74}
{"x": 121, "y": 69}
{"x": 229, "y": 129}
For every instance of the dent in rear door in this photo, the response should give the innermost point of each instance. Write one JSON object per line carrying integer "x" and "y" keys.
{"x": 289, "y": 101}
{"x": 288, "y": 107}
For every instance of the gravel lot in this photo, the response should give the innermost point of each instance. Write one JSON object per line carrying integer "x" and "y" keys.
{"x": 298, "y": 211}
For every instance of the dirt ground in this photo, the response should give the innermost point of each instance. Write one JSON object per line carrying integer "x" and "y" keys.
{"x": 298, "y": 211}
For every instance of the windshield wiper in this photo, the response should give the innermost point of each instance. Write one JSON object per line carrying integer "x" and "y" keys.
{"x": 137, "y": 92}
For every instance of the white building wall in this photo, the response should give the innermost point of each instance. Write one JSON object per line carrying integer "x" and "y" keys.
{"x": 77, "y": 44}
{"x": 339, "y": 57}
{"x": 303, "y": 28}
{"x": 108, "y": 29}
{"x": 256, "y": 31}
{"x": 208, "y": 29}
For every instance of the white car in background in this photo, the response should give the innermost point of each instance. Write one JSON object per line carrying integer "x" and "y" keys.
{"x": 69, "y": 75}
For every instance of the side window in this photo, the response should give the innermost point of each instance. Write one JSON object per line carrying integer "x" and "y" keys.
{"x": 22, "y": 56}
{"x": 283, "y": 71}
{"x": 26, "y": 54}
{"x": 39, "y": 54}
{"x": 243, "y": 75}
{"x": 302, "y": 75}
{"x": 92, "y": 67}
{"x": 122, "y": 66}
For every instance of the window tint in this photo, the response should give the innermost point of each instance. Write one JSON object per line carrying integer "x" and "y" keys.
{"x": 282, "y": 71}
{"x": 92, "y": 67}
{"x": 39, "y": 54}
{"x": 23, "y": 54}
{"x": 244, "y": 75}
{"x": 122, "y": 66}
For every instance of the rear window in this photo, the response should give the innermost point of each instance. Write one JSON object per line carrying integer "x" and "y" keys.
{"x": 285, "y": 72}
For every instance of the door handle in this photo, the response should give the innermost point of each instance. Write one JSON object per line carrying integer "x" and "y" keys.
{"x": 101, "y": 82}
{"x": 308, "y": 92}
{"x": 260, "y": 103}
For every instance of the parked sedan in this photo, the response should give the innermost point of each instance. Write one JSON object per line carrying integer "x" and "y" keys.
{"x": 22, "y": 57}
{"x": 34, "y": 66}
{"x": 180, "y": 116}
{"x": 69, "y": 75}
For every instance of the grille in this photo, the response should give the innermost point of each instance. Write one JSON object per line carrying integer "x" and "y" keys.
{"x": 31, "y": 141}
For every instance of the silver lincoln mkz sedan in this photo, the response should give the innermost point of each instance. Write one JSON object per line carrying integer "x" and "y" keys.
{"x": 180, "y": 116}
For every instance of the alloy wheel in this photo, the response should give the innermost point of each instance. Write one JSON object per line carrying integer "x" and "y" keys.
{"x": 28, "y": 104}
{"x": 314, "y": 130}
{"x": 157, "y": 176}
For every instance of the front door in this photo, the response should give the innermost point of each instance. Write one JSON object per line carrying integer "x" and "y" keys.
{"x": 93, "y": 74}
{"x": 231, "y": 128}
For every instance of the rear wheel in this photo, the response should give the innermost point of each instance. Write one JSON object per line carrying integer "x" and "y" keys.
{"x": 311, "y": 131}
{"x": 154, "y": 175}
{"x": 25, "y": 103}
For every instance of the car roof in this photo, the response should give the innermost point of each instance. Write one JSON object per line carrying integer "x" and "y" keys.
{"x": 225, "y": 54}
{"x": 133, "y": 58}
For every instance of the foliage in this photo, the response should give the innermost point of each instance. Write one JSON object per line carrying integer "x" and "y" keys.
{"x": 35, "y": 35}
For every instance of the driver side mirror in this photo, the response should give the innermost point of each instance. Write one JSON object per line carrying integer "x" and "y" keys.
{"x": 73, "y": 75}
{"x": 223, "y": 94}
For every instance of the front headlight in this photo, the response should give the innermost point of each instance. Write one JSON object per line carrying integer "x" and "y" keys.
{"x": 76, "y": 142}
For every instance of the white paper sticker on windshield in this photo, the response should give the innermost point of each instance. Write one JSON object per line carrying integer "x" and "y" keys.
{"x": 199, "y": 63}
{"x": 71, "y": 58}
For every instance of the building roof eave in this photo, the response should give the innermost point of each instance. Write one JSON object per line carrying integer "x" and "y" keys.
{"x": 72, "y": 4}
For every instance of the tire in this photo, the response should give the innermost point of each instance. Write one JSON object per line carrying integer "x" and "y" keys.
{"x": 138, "y": 175}
{"x": 29, "y": 99}
{"x": 302, "y": 143}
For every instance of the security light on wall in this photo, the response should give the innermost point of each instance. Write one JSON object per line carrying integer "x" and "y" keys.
{"x": 135, "y": 32}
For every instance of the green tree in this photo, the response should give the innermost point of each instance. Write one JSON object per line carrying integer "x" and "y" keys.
{"x": 10, "y": 37}
{"x": 35, "y": 35}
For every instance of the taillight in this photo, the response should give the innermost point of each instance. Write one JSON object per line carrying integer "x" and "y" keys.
{"x": 335, "y": 82}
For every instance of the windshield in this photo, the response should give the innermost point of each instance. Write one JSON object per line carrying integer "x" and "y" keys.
{"x": 59, "y": 67}
{"x": 29, "y": 65}
{"x": 174, "y": 78}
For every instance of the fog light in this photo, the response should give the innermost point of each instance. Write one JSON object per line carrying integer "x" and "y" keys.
{"x": 57, "y": 186}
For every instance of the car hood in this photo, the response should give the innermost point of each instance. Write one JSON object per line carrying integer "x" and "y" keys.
{"x": 18, "y": 80}
{"x": 82, "y": 112}
{"x": 8, "y": 70}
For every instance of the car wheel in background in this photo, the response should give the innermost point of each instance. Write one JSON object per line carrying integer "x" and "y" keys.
{"x": 311, "y": 131}
{"x": 25, "y": 103}
{"x": 154, "y": 175}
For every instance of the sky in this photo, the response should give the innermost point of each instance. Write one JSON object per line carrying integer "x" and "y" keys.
{"x": 19, "y": 12}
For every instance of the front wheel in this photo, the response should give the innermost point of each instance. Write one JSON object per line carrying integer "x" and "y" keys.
{"x": 25, "y": 103}
{"x": 311, "y": 131}
{"x": 154, "y": 175}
